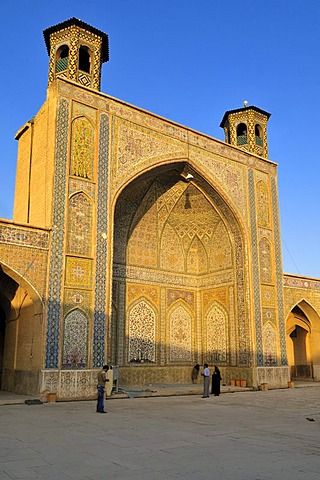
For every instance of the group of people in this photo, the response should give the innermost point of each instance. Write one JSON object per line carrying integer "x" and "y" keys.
{"x": 216, "y": 379}
{"x": 215, "y": 384}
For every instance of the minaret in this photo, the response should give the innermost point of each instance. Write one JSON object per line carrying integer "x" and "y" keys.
{"x": 76, "y": 52}
{"x": 246, "y": 128}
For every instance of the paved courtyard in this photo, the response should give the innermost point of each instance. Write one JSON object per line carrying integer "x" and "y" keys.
{"x": 240, "y": 436}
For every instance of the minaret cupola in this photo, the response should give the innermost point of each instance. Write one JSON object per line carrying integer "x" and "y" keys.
{"x": 77, "y": 52}
{"x": 246, "y": 128}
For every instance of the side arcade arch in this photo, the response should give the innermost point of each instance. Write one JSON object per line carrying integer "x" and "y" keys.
{"x": 303, "y": 340}
{"x": 22, "y": 330}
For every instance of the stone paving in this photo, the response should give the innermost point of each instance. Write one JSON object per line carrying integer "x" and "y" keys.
{"x": 251, "y": 435}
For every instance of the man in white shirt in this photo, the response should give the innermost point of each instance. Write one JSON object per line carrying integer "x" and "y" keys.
{"x": 206, "y": 380}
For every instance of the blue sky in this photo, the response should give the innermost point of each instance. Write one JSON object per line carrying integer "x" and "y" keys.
{"x": 190, "y": 62}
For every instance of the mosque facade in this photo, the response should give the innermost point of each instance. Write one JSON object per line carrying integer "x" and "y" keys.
{"x": 144, "y": 244}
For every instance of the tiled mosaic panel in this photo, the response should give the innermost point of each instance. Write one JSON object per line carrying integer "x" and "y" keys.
{"x": 270, "y": 345}
{"x": 142, "y": 333}
{"x": 186, "y": 295}
{"x": 193, "y": 238}
{"x": 275, "y": 376}
{"x": 229, "y": 177}
{"x": 255, "y": 272}
{"x": 82, "y": 148}
{"x": 101, "y": 246}
{"x": 265, "y": 261}
{"x": 135, "y": 146}
{"x": 180, "y": 335}
{"x": 82, "y": 110}
{"x": 79, "y": 238}
{"x": 76, "y": 185}
{"x": 76, "y": 298}
{"x": 69, "y": 384}
{"x": 21, "y": 236}
{"x": 295, "y": 282}
{"x": 75, "y": 340}
{"x": 279, "y": 272}
{"x": 263, "y": 204}
{"x": 217, "y": 334}
{"x": 78, "y": 272}
{"x": 29, "y": 262}
{"x": 56, "y": 259}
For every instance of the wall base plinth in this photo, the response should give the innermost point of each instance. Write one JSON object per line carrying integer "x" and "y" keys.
{"x": 275, "y": 377}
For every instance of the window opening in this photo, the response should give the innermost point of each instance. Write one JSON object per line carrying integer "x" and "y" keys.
{"x": 258, "y": 135}
{"x": 242, "y": 137}
{"x": 84, "y": 59}
{"x": 62, "y": 58}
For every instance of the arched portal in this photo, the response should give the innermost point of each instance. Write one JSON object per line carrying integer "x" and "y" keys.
{"x": 21, "y": 333}
{"x": 176, "y": 240}
{"x": 299, "y": 349}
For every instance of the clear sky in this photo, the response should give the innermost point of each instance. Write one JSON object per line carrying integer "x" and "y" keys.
{"x": 190, "y": 61}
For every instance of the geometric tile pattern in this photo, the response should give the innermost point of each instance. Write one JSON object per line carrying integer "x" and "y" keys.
{"x": 75, "y": 340}
{"x": 279, "y": 274}
{"x": 265, "y": 261}
{"x": 26, "y": 237}
{"x": 216, "y": 325}
{"x": 79, "y": 239}
{"x": 270, "y": 345}
{"x": 180, "y": 335}
{"x": 255, "y": 271}
{"x": 142, "y": 333}
{"x": 78, "y": 272}
{"x": 56, "y": 259}
{"x": 263, "y": 204}
{"x": 82, "y": 148}
{"x": 99, "y": 316}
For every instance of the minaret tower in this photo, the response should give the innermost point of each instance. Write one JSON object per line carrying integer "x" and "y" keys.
{"x": 76, "y": 52}
{"x": 246, "y": 128}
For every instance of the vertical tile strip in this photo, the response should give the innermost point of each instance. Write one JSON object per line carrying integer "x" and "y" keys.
{"x": 255, "y": 272}
{"x": 56, "y": 259}
{"x": 279, "y": 273}
{"x": 99, "y": 317}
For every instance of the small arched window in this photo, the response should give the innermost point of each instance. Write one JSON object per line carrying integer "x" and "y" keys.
{"x": 62, "y": 58}
{"x": 84, "y": 59}
{"x": 258, "y": 135}
{"x": 242, "y": 136}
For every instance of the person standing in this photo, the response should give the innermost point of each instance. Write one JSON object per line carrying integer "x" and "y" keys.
{"x": 102, "y": 379}
{"x": 195, "y": 373}
{"x": 206, "y": 381}
{"x": 216, "y": 379}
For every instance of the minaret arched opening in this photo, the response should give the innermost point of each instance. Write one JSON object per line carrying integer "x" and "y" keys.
{"x": 258, "y": 135}
{"x": 84, "y": 59}
{"x": 62, "y": 58}
{"x": 242, "y": 134}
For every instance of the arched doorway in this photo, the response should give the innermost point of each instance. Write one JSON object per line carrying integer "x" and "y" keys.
{"x": 178, "y": 253}
{"x": 298, "y": 344}
{"x": 21, "y": 333}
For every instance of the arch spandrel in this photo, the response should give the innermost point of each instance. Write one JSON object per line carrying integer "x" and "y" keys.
{"x": 21, "y": 281}
{"x": 307, "y": 308}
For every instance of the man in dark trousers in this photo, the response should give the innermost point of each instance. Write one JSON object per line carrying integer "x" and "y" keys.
{"x": 206, "y": 380}
{"x": 102, "y": 379}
